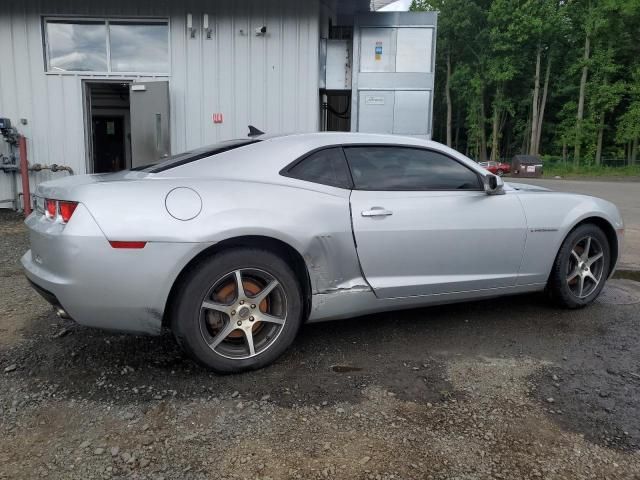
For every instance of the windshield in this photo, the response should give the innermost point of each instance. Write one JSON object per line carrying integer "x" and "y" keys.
{"x": 193, "y": 155}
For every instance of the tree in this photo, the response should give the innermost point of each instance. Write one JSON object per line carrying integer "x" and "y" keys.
{"x": 456, "y": 19}
{"x": 541, "y": 27}
{"x": 628, "y": 128}
{"x": 588, "y": 27}
{"x": 560, "y": 77}
{"x": 604, "y": 95}
{"x": 506, "y": 37}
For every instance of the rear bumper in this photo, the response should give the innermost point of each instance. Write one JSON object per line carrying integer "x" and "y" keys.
{"x": 97, "y": 285}
{"x": 46, "y": 294}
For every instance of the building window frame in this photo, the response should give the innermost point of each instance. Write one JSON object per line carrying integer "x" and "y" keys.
{"x": 106, "y": 20}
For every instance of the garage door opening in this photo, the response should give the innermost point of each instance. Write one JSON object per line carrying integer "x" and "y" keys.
{"x": 108, "y": 126}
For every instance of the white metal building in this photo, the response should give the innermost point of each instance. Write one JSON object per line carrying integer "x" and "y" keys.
{"x": 101, "y": 85}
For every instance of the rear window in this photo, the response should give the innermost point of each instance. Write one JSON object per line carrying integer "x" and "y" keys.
{"x": 193, "y": 155}
{"x": 327, "y": 167}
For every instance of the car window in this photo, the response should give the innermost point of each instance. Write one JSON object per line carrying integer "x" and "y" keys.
{"x": 193, "y": 155}
{"x": 327, "y": 167}
{"x": 405, "y": 168}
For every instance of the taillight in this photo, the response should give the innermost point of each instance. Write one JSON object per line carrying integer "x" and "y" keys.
{"x": 59, "y": 209}
{"x": 50, "y": 208}
{"x": 66, "y": 210}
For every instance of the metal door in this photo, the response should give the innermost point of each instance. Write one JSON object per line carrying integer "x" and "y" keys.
{"x": 150, "y": 129}
{"x": 376, "y": 111}
{"x": 393, "y": 73}
{"x": 434, "y": 242}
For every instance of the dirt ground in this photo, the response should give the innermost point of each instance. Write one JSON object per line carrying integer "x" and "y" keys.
{"x": 509, "y": 389}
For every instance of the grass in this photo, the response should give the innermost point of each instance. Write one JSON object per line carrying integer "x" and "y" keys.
{"x": 569, "y": 170}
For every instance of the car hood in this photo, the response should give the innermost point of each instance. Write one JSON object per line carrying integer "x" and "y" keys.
{"x": 524, "y": 187}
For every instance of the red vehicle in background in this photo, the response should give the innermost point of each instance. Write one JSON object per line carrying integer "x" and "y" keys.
{"x": 497, "y": 168}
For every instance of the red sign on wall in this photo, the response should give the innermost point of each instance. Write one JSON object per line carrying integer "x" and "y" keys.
{"x": 217, "y": 118}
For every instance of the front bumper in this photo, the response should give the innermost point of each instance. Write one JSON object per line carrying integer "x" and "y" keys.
{"x": 620, "y": 238}
{"x": 97, "y": 285}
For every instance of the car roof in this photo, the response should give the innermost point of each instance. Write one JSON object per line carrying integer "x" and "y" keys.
{"x": 327, "y": 138}
{"x": 267, "y": 155}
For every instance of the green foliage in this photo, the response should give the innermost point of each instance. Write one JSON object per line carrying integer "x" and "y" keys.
{"x": 590, "y": 170}
{"x": 629, "y": 122}
{"x": 493, "y": 47}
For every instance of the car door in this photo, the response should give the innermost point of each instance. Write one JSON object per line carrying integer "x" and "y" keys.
{"x": 423, "y": 224}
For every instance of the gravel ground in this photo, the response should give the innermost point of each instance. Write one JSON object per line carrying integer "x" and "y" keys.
{"x": 509, "y": 389}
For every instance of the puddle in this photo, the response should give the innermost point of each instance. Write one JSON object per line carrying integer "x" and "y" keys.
{"x": 345, "y": 369}
{"x": 620, "y": 291}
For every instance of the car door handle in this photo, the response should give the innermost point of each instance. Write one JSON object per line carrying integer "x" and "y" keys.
{"x": 376, "y": 212}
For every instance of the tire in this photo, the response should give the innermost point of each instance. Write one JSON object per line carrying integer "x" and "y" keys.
{"x": 568, "y": 270}
{"x": 500, "y": 172}
{"x": 213, "y": 323}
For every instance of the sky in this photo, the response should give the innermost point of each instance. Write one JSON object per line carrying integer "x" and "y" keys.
{"x": 398, "y": 5}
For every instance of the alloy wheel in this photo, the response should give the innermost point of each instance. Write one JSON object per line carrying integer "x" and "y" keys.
{"x": 585, "y": 267}
{"x": 243, "y": 313}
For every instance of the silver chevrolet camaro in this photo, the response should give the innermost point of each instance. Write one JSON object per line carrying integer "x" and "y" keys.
{"x": 235, "y": 245}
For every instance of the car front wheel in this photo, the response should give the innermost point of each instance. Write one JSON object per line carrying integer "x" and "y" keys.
{"x": 581, "y": 267}
{"x": 239, "y": 310}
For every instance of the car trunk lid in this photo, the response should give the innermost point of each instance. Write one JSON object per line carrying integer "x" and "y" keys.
{"x": 71, "y": 188}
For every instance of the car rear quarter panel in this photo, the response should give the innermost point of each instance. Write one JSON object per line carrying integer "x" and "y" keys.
{"x": 313, "y": 219}
{"x": 550, "y": 218}
{"x": 99, "y": 286}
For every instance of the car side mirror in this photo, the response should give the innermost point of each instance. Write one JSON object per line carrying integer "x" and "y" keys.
{"x": 493, "y": 184}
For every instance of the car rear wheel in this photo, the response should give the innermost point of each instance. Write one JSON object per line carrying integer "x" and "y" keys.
{"x": 581, "y": 267}
{"x": 239, "y": 310}
{"x": 500, "y": 172}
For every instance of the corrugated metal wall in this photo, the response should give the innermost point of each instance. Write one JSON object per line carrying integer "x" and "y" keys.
{"x": 270, "y": 81}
